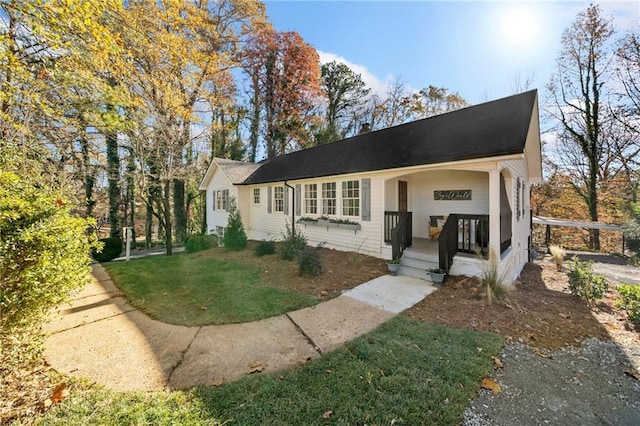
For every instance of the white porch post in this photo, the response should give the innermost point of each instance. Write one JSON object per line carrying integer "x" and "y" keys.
{"x": 494, "y": 213}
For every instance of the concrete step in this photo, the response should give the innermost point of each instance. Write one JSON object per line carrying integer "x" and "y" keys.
{"x": 429, "y": 257}
{"x": 413, "y": 272}
{"x": 418, "y": 263}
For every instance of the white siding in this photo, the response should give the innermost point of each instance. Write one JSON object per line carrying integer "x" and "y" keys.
{"x": 422, "y": 204}
{"x": 218, "y": 217}
{"x": 514, "y": 260}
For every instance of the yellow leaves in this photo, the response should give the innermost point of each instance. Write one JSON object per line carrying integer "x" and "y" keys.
{"x": 257, "y": 367}
{"x": 491, "y": 385}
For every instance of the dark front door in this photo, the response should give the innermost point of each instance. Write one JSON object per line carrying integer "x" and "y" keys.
{"x": 402, "y": 196}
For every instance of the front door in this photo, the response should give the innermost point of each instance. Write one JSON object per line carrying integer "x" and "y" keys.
{"x": 402, "y": 196}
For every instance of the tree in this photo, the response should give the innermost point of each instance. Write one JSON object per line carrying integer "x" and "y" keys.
{"x": 180, "y": 53}
{"x": 235, "y": 238}
{"x": 578, "y": 93}
{"x": 345, "y": 95}
{"x": 284, "y": 80}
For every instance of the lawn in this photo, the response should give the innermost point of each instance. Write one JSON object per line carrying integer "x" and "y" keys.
{"x": 198, "y": 289}
{"x": 405, "y": 372}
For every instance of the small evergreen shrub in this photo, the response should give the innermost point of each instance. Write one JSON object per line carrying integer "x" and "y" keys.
{"x": 199, "y": 242}
{"x": 265, "y": 247}
{"x": 584, "y": 283}
{"x": 235, "y": 239}
{"x": 309, "y": 262}
{"x": 293, "y": 243}
{"x": 111, "y": 248}
{"x": 630, "y": 302}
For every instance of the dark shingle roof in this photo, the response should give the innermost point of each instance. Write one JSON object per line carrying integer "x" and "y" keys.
{"x": 487, "y": 130}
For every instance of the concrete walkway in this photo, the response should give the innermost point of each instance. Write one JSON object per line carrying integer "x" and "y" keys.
{"x": 101, "y": 337}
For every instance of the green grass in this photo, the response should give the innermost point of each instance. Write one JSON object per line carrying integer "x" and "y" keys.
{"x": 405, "y": 372}
{"x": 177, "y": 289}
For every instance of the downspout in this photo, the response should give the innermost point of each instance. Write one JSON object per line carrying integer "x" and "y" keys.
{"x": 293, "y": 207}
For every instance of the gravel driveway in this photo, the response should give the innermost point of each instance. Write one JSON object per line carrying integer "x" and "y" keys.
{"x": 584, "y": 385}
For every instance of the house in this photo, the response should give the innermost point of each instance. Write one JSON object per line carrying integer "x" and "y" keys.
{"x": 445, "y": 191}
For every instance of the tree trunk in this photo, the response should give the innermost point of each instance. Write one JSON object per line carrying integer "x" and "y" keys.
{"x": 148, "y": 226}
{"x": 113, "y": 176}
{"x": 179, "y": 210}
{"x": 167, "y": 217}
{"x": 89, "y": 180}
{"x": 130, "y": 198}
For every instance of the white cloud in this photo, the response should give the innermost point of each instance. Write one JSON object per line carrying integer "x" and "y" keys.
{"x": 377, "y": 85}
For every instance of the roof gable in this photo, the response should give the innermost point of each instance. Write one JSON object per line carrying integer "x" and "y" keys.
{"x": 491, "y": 129}
{"x": 236, "y": 171}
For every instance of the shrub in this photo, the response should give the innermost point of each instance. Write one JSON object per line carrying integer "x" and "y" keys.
{"x": 111, "y": 248}
{"x": 584, "y": 283}
{"x": 630, "y": 302}
{"x": 293, "y": 243}
{"x": 309, "y": 262}
{"x": 265, "y": 247}
{"x": 44, "y": 258}
{"x": 235, "y": 239}
{"x": 199, "y": 242}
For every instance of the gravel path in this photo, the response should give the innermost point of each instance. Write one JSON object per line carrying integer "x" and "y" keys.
{"x": 570, "y": 386}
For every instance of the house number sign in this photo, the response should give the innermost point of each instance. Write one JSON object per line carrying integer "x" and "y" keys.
{"x": 453, "y": 194}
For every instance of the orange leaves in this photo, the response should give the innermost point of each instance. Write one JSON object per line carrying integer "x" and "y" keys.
{"x": 491, "y": 385}
{"x": 60, "y": 392}
{"x": 257, "y": 367}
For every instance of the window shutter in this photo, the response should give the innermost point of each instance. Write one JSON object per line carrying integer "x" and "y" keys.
{"x": 298, "y": 199}
{"x": 286, "y": 200}
{"x": 213, "y": 203}
{"x": 269, "y": 199}
{"x": 366, "y": 199}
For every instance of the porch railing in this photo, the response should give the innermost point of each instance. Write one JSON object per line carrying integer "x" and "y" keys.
{"x": 464, "y": 233}
{"x": 398, "y": 227}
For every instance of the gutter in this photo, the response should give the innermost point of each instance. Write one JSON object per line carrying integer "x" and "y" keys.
{"x": 293, "y": 207}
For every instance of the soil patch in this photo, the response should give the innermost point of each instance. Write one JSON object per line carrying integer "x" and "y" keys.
{"x": 540, "y": 312}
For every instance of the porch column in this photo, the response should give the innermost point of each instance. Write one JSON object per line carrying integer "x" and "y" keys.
{"x": 494, "y": 213}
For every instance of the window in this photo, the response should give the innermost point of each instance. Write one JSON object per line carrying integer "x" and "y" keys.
{"x": 311, "y": 198}
{"x": 256, "y": 195}
{"x": 278, "y": 198}
{"x": 329, "y": 198}
{"x": 220, "y": 231}
{"x": 222, "y": 199}
{"x": 351, "y": 198}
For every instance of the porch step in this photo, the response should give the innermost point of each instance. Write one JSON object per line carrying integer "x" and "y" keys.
{"x": 414, "y": 266}
{"x": 420, "y": 255}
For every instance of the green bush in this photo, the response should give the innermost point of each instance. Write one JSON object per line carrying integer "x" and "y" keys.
{"x": 111, "y": 248}
{"x": 199, "y": 242}
{"x": 292, "y": 244}
{"x": 235, "y": 239}
{"x": 44, "y": 258}
{"x": 309, "y": 262}
{"x": 630, "y": 302}
{"x": 265, "y": 247}
{"x": 583, "y": 282}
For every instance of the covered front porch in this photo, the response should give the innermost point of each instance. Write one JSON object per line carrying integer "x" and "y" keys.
{"x": 447, "y": 213}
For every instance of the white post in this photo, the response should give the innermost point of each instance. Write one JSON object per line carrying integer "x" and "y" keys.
{"x": 127, "y": 232}
{"x": 494, "y": 214}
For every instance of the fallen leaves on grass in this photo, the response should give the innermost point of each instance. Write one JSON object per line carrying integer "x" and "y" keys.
{"x": 218, "y": 382}
{"x": 60, "y": 392}
{"x": 256, "y": 367}
{"x": 327, "y": 414}
{"x": 489, "y": 384}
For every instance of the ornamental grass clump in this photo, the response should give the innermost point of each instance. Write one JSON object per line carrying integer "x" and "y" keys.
{"x": 557, "y": 254}
{"x": 494, "y": 282}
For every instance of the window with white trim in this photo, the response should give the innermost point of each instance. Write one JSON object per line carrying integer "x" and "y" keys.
{"x": 256, "y": 195}
{"x": 351, "y": 198}
{"x": 329, "y": 198}
{"x": 311, "y": 198}
{"x": 222, "y": 199}
{"x": 278, "y": 199}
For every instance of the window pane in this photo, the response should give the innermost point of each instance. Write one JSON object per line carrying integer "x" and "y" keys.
{"x": 256, "y": 195}
{"x": 351, "y": 198}
{"x": 278, "y": 198}
{"x": 329, "y": 198}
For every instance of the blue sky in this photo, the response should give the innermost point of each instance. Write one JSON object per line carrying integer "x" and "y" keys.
{"x": 474, "y": 48}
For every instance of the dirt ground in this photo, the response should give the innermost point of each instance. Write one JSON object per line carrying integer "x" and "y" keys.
{"x": 540, "y": 313}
